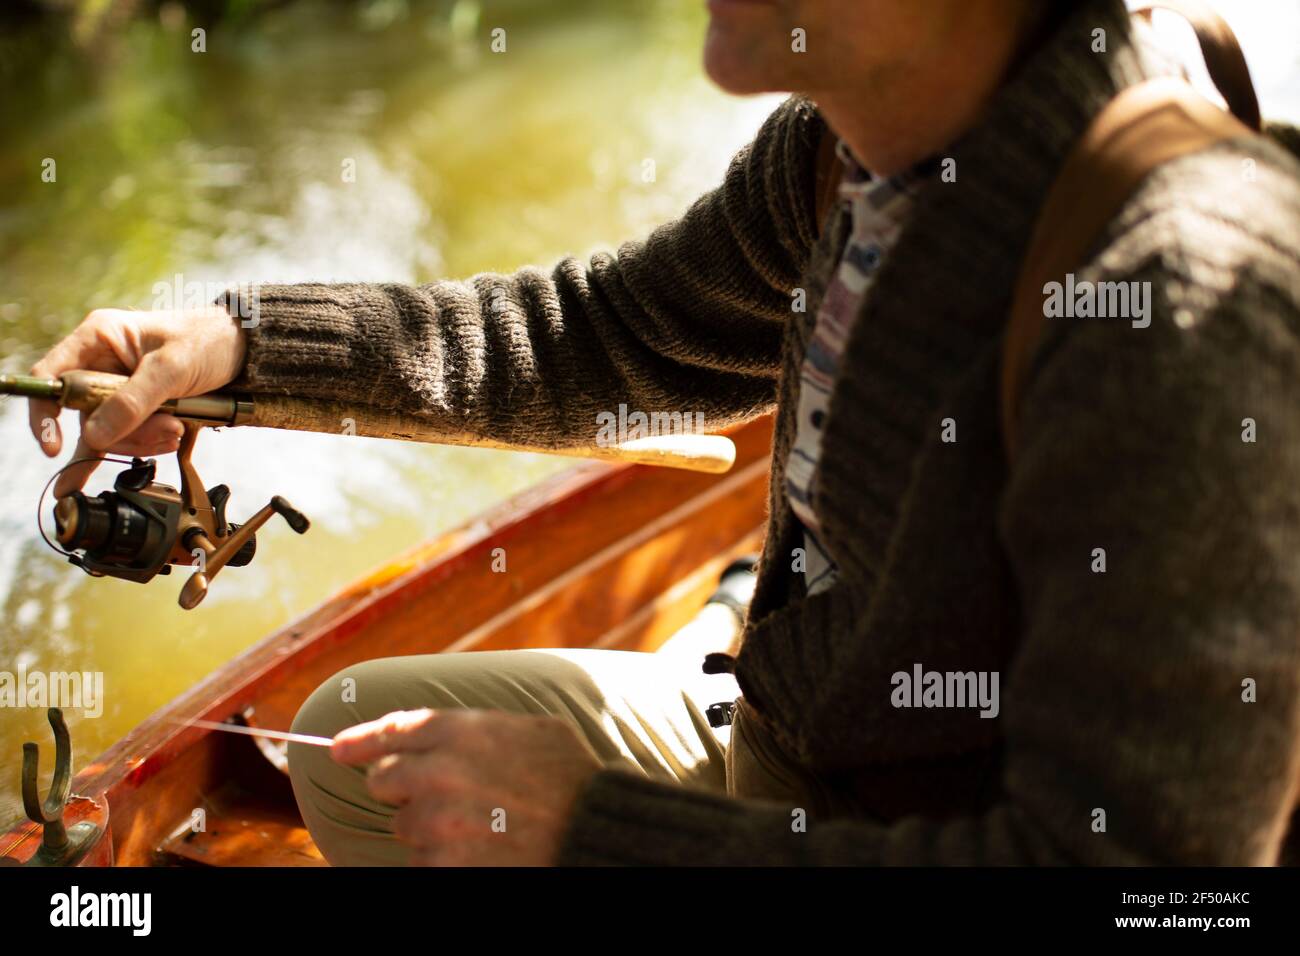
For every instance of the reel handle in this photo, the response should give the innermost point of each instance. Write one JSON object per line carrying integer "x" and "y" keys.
{"x": 217, "y": 557}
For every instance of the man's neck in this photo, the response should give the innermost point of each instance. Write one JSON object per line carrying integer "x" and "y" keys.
{"x": 892, "y": 123}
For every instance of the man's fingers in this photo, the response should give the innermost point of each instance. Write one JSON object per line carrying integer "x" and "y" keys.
{"x": 399, "y": 778}
{"x": 159, "y": 435}
{"x": 402, "y": 731}
{"x": 425, "y": 823}
{"x": 85, "y": 347}
{"x": 151, "y": 384}
{"x": 75, "y": 477}
{"x": 152, "y": 449}
{"x": 82, "y": 348}
{"x": 43, "y": 415}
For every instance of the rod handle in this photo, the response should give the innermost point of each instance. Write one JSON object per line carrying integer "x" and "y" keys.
{"x": 85, "y": 391}
{"x": 712, "y": 454}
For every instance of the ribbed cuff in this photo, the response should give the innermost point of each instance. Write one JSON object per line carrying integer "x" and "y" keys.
{"x": 305, "y": 338}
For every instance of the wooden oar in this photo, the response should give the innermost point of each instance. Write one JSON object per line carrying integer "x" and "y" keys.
{"x": 84, "y": 391}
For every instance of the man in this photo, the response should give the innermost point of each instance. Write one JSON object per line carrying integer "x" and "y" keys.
{"x": 1088, "y": 657}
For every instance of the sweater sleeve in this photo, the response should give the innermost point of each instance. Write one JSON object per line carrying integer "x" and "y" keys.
{"x": 688, "y": 320}
{"x": 1152, "y": 709}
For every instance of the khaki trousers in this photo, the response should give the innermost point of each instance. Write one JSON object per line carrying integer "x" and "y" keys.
{"x": 642, "y": 713}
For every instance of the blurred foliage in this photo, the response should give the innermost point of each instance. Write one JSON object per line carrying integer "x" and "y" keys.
{"x": 166, "y": 159}
{"x": 86, "y": 20}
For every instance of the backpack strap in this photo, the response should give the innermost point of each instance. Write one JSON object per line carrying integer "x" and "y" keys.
{"x": 1142, "y": 128}
{"x": 1224, "y": 60}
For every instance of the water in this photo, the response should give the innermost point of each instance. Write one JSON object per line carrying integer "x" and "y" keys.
{"x": 226, "y": 166}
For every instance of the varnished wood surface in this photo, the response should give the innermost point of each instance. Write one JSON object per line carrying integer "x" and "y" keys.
{"x": 603, "y": 555}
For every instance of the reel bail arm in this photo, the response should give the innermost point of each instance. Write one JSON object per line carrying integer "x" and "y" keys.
{"x": 205, "y": 535}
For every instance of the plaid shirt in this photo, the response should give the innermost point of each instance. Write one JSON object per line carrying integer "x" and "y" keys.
{"x": 879, "y": 209}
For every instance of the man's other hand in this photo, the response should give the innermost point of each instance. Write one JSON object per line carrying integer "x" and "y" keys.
{"x": 473, "y": 787}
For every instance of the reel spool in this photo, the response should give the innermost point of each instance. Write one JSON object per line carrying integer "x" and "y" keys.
{"x": 141, "y": 528}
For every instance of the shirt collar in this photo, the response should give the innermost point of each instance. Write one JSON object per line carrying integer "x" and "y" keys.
{"x": 857, "y": 182}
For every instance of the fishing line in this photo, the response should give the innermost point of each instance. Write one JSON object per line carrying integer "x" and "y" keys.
{"x": 255, "y": 732}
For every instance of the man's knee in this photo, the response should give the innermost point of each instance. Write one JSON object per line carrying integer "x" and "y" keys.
{"x": 364, "y": 692}
{"x": 334, "y": 706}
{"x": 330, "y": 707}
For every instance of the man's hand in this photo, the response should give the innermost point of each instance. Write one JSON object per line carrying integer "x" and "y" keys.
{"x": 166, "y": 354}
{"x": 474, "y": 787}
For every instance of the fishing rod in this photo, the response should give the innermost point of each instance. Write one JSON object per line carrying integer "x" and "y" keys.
{"x": 142, "y": 528}
{"x": 84, "y": 391}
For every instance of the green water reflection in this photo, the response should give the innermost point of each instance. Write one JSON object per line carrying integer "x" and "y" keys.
{"x": 226, "y": 166}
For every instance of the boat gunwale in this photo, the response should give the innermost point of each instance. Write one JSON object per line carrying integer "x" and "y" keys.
{"x": 161, "y": 739}
{"x": 338, "y": 616}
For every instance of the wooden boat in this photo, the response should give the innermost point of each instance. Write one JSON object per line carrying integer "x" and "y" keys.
{"x": 604, "y": 555}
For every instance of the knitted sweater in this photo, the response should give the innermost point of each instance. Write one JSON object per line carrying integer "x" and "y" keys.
{"x": 1150, "y": 712}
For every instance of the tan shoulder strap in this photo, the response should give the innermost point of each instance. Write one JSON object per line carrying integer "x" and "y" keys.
{"x": 1224, "y": 60}
{"x": 1142, "y": 128}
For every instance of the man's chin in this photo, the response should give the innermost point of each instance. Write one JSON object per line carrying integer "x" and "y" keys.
{"x": 736, "y": 67}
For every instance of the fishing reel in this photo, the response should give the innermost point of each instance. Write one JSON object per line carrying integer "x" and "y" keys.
{"x": 143, "y": 527}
